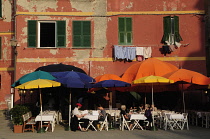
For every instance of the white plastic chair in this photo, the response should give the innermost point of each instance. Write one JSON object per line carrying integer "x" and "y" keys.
{"x": 124, "y": 123}
{"x": 104, "y": 124}
{"x": 168, "y": 123}
{"x": 185, "y": 121}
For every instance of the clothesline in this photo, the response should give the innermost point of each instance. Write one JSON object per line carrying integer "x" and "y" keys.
{"x": 138, "y": 46}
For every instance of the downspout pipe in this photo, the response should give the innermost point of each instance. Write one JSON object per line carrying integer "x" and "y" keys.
{"x": 13, "y": 6}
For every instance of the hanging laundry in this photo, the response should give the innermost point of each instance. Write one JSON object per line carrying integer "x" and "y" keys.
{"x": 147, "y": 52}
{"x": 178, "y": 44}
{"x": 140, "y": 51}
{"x": 131, "y": 53}
{"x": 119, "y": 52}
{"x": 165, "y": 49}
{"x": 172, "y": 48}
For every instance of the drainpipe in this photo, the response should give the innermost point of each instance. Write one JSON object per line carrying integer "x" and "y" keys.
{"x": 13, "y": 42}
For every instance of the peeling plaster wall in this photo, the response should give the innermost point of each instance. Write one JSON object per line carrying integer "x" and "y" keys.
{"x": 36, "y": 5}
{"x": 6, "y": 10}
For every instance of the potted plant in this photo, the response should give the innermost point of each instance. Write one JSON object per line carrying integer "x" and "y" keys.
{"x": 16, "y": 113}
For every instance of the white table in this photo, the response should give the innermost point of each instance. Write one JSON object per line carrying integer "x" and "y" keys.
{"x": 175, "y": 120}
{"x": 137, "y": 118}
{"x": 91, "y": 118}
{"x": 47, "y": 117}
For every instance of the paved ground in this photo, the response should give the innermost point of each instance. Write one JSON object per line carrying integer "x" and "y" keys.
{"x": 59, "y": 133}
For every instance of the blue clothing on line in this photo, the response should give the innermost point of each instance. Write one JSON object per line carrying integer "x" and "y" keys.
{"x": 131, "y": 53}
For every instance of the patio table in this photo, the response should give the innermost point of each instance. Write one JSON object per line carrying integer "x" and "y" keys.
{"x": 137, "y": 118}
{"x": 49, "y": 117}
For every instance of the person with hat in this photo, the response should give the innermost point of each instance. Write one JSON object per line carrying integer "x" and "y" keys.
{"x": 77, "y": 117}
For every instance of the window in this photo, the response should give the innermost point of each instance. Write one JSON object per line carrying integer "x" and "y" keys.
{"x": 81, "y": 34}
{"x": 125, "y": 30}
{"x": 0, "y": 49}
{"x": 0, "y": 8}
{"x": 171, "y": 30}
{"x": 46, "y": 34}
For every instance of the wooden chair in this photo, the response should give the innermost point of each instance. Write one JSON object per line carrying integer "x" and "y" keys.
{"x": 28, "y": 124}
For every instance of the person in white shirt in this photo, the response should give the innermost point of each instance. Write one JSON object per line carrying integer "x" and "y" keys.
{"x": 77, "y": 117}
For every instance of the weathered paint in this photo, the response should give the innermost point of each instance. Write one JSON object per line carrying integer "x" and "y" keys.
{"x": 147, "y": 31}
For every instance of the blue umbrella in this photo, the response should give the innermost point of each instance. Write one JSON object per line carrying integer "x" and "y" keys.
{"x": 111, "y": 83}
{"x": 72, "y": 82}
{"x": 73, "y": 74}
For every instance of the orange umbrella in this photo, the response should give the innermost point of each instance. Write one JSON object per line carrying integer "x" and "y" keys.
{"x": 107, "y": 77}
{"x": 187, "y": 79}
{"x": 188, "y": 76}
{"x": 151, "y": 66}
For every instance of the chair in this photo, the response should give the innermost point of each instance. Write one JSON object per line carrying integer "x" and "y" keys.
{"x": 104, "y": 124}
{"x": 204, "y": 118}
{"x": 124, "y": 123}
{"x": 168, "y": 122}
{"x": 28, "y": 125}
{"x": 30, "y": 116}
{"x": 185, "y": 121}
{"x": 80, "y": 127}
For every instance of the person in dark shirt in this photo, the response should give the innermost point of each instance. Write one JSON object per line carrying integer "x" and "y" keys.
{"x": 126, "y": 115}
{"x": 148, "y": 114}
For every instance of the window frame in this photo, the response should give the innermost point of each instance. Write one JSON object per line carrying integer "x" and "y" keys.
{"x": 126, "y": 31}
{"x": 34, "y": 33}
{"x": 171, "y": 29}
{"x": 82, "y": 35}
{"x": 39, "y": 31}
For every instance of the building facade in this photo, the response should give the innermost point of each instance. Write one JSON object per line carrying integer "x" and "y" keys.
{"x": 84, "y": 33}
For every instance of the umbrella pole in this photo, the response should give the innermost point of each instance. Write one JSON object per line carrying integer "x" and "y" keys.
{"x": 153, "y": 109}
{"x": 153, "y": 128}
{"x": 40, "y": 105}
{"x": 40, "y": 95}
{"x": 183, "y": 98}
{"x": 69, "y": 108}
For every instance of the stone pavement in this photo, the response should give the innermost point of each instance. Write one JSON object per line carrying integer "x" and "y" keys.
{"x": 59, "y": 133}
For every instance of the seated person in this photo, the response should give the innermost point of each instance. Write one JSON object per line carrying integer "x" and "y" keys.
{"x": 76, "y": 118}
{"x": 153, "y": 108}
{"x": 102, "y": 115}
{"x": 141, "y": 108}
{"x": 148, "y": 114}
{"x": 126, "y": 115}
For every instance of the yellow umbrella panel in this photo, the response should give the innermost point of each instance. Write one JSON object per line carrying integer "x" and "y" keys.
{"x": 39, "y": 83}
{"x": 151, "y": 80}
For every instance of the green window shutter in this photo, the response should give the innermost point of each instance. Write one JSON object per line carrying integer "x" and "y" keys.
{"x": 81, "y": 34}
{"x": 125, "y": 30}
{"x": 0, "y": 8}
{"x": 86, "y": 33}
{"x": 61, "y": 33}
{"x": 129, "y": 30}
{"x": 32, "y": 31}
{"x": 166, "y": 27}
{"x": 121, "y": 28}
{"x": 0, "y": 49}
{"x": 178, "y": 38}
{"x": 77, "y": 32}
